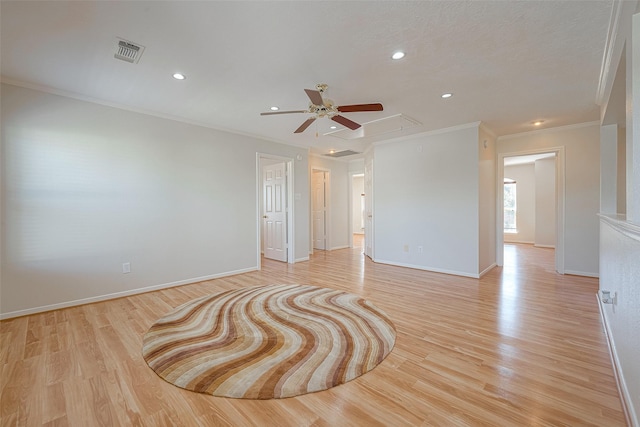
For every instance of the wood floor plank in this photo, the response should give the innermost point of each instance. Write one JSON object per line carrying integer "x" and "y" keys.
{"x": 521, "y": 346}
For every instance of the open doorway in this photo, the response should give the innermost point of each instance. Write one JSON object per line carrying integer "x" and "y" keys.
{"x": 357, "y": 211}
{"x": 275, "y": 216}
{"x": 531, "y": 203}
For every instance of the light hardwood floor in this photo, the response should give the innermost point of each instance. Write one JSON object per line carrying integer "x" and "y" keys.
{"x": 523, "y": 346}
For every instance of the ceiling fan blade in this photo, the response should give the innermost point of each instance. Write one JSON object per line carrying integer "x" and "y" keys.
{"x": 359, "y": 107}
{"x": 346, "y": 122}
{"x": 305, "y": 125}
{"x": 314, "y": 96}
{"x": 269, "y": 113}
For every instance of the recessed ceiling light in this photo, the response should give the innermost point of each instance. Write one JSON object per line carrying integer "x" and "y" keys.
{"x": 397, "y": 55}
{"x": 538, "y": 122}
{"x": 179, "y": 76}
{"x": 274, "y": 108}
{"x": 446, "y": 95}
{"x": 333, "y": 127}
{"x": 332, "y": 151}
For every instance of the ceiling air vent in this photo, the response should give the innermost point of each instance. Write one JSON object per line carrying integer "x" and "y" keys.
{"x": 129, "y": 52}
{"x": 342, "y": 153}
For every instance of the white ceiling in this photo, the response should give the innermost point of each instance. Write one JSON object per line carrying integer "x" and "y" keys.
{"x": 508, "y": 63}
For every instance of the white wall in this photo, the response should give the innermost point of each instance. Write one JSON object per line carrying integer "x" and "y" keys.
{"x": 620, "y": 270}
{"x": 426, "y": 194}
{"x": 582, "y": 188}
{"x": 633, "y": 120}
{"x": 621, "y": 193}
{"x": 609, "y": 178}
{"x": 613, "y": 171}
{"x": 356, "y": 166}
{"x": 524, "y": 175}
{"x": 545, "y": 216}
{"x": 339, "y": 198}
{"x": 620, "y": 235}
{"x": 88, "y": 187}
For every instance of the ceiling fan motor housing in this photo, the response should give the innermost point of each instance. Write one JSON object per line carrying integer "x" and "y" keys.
{"x": 327, "y": 109}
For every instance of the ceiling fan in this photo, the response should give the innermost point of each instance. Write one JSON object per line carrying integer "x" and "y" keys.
{"x": 324, "y": 107}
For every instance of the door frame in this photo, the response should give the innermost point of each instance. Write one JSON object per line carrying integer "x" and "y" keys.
{"x": 327, "y": 207}
{"x": 560, "y": 203}
{"x": 288, "y": 164}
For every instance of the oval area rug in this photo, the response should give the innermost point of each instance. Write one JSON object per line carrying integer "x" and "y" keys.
{"x": 268, "y": 342}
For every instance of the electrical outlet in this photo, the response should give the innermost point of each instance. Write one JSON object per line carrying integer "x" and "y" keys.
{"x": 608, "y": 298}
{"x": 126, "y": 268}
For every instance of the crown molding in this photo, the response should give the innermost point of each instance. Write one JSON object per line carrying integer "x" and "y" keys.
{"x": 608, "y": 54}
{"x": 619, "y": 22}
{"x": 549, "y": 130}
{"x": 84, "y": 98}
{"x": 486, "y": 129}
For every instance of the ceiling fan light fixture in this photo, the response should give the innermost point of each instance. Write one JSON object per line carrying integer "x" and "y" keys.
{"x": 538, "y": 122}
{"x": 274, "y": 108}
{"x": 398, "y": 55}
{"x": 321, "y": 107}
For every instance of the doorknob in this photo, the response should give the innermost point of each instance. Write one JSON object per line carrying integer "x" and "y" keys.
{"x": 264, "y": 216}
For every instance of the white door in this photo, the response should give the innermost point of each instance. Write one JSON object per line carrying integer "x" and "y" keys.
{"x": 274, "y": 190}
{"x": 368, "y": 208}
{"x": 319, "y": 207}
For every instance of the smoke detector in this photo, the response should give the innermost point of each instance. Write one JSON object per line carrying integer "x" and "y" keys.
{"x": 128, "y": 51}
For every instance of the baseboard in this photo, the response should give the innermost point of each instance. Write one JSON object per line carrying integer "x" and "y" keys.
{"x": 486, "y": 270}
{"x": 581, "y": 273}
{"x": 544, "y": 246}
{"x": 518, "y": 241}
{"x": 83, "y": 301}
{"x": 625, "y": 396}
{"x": 422, "y": 267}
{"x": 302, "y": 259}
{"x": 339, "y": 247}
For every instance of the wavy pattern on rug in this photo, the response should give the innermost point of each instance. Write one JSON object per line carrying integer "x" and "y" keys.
{"x": 268, "y": 342}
